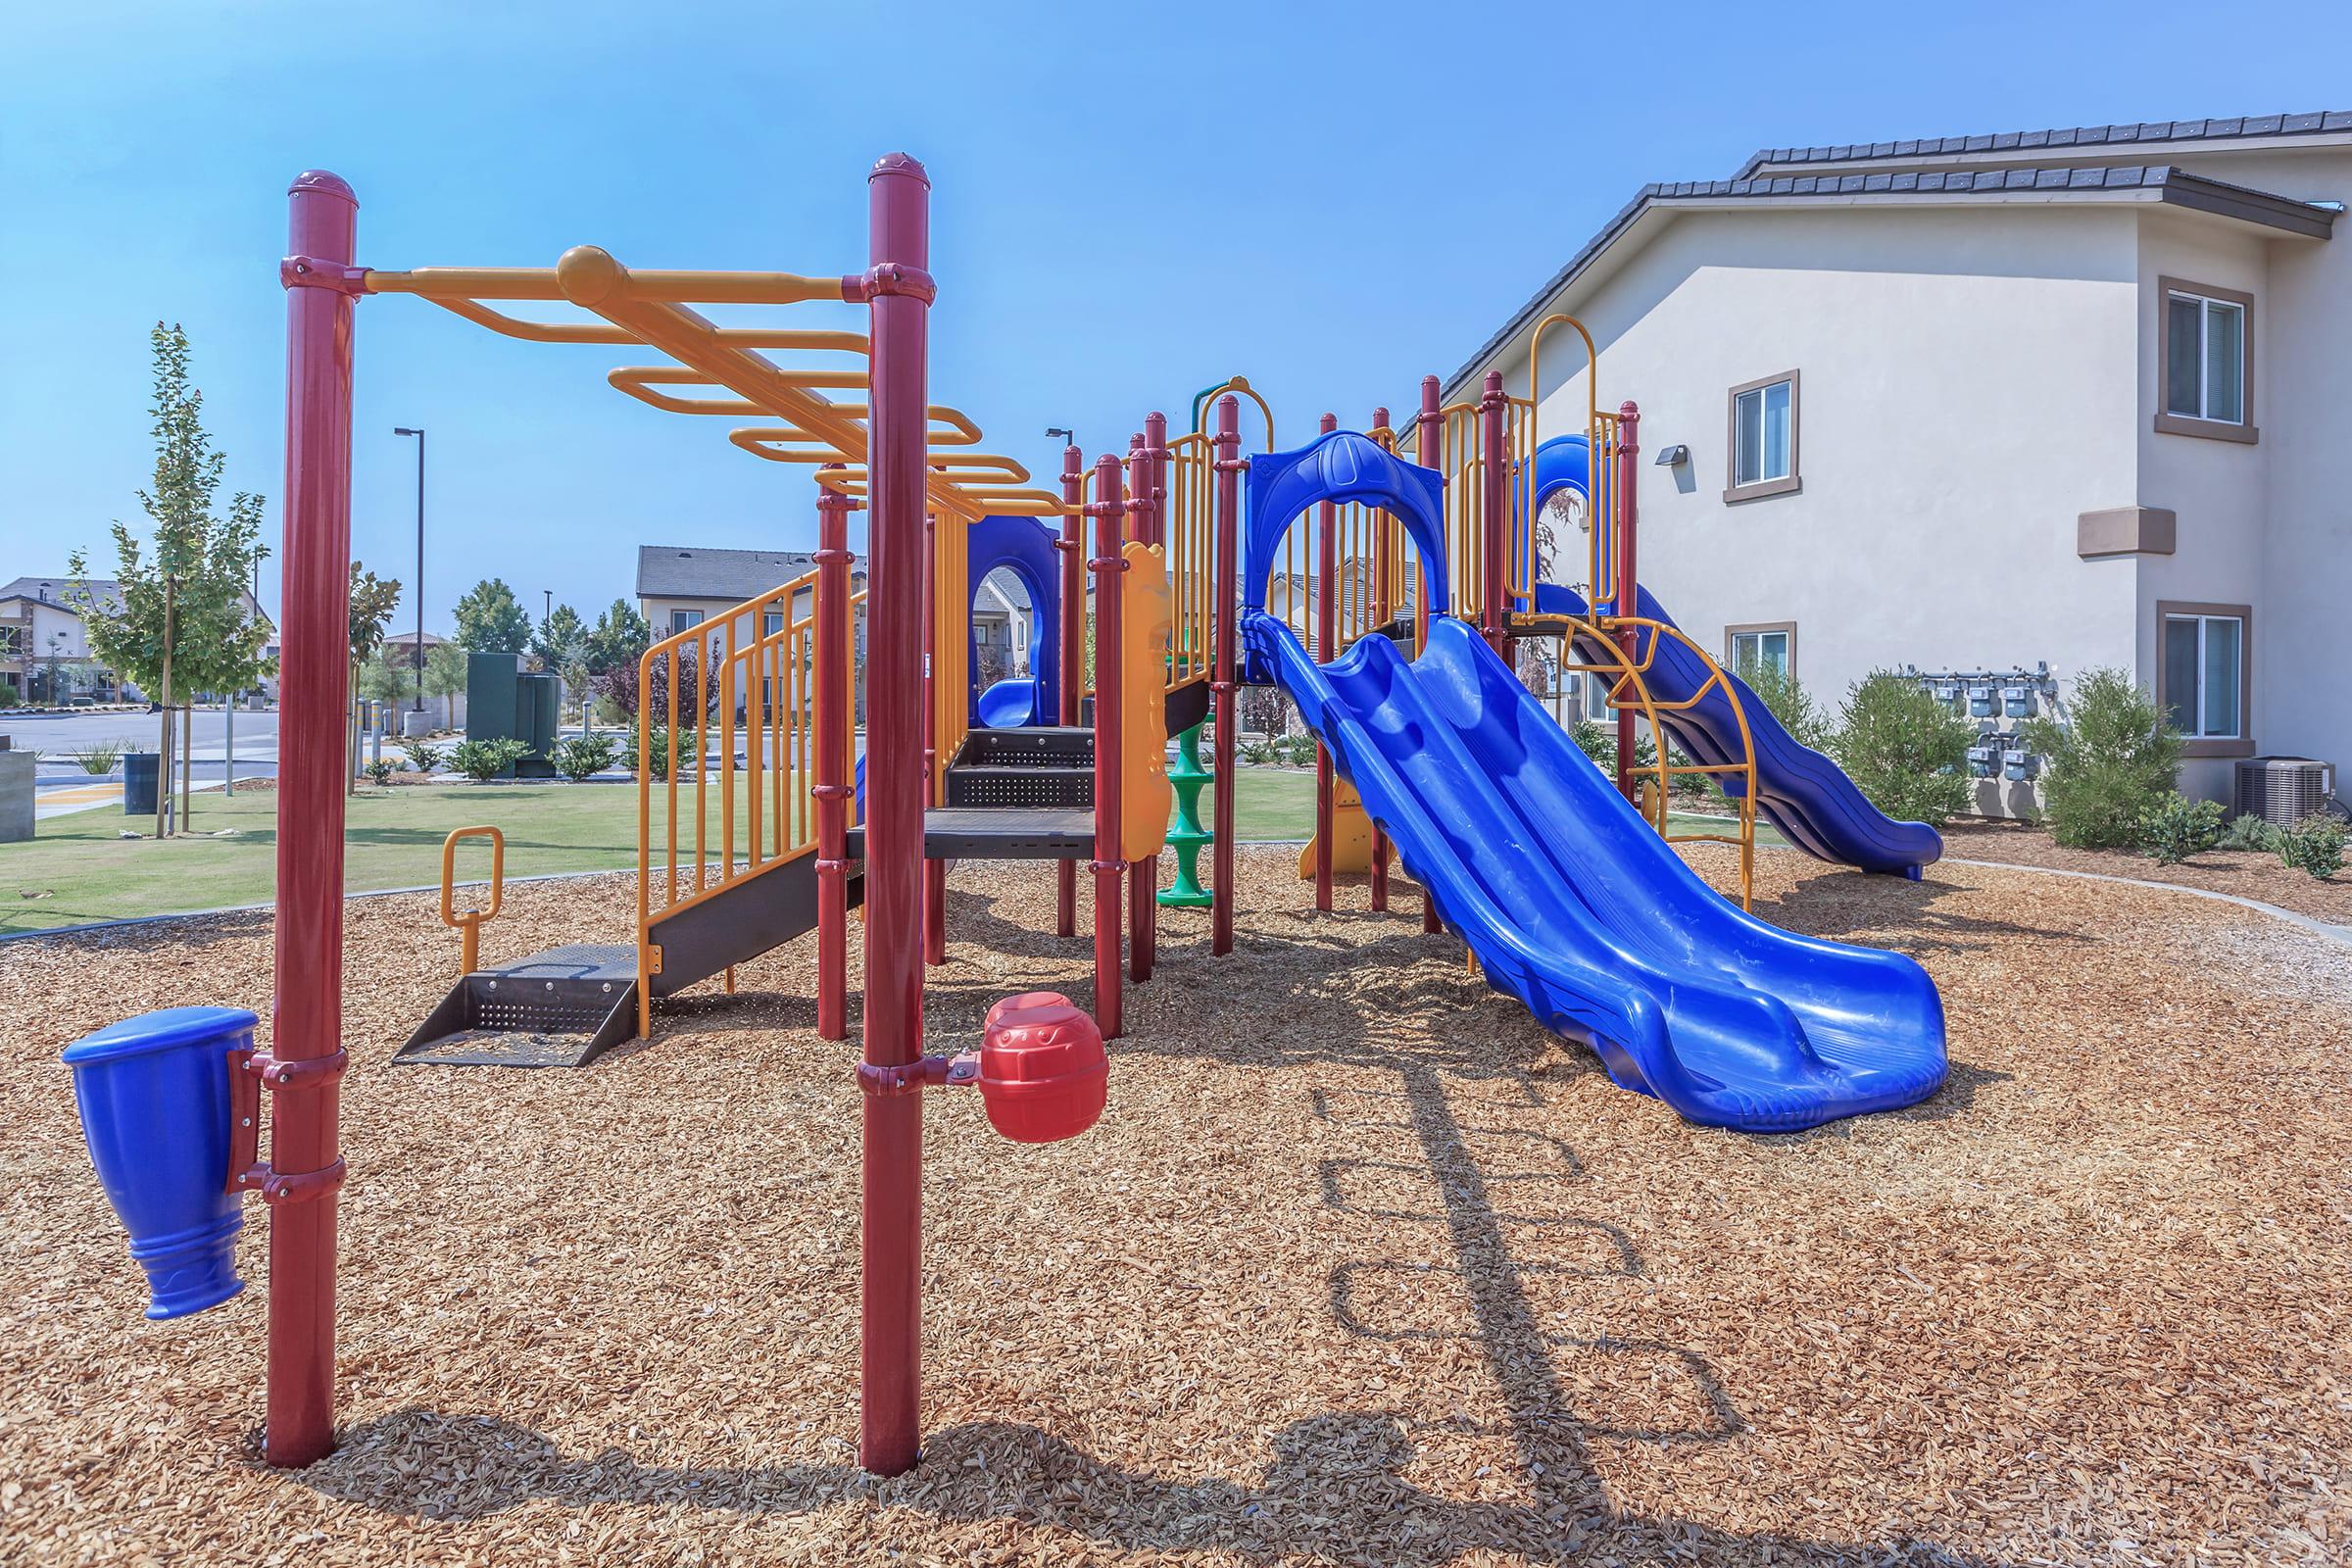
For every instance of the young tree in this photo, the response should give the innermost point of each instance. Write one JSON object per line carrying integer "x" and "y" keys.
{"x": 619, "y": 639}
{"x": 373, "y": 601}
{"x": 202, "y": 561}
{"x": 490, "y": 620}
{"x": 445, "y": 677}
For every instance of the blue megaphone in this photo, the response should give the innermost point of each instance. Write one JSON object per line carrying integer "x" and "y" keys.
{"x": 155, "y": 1102}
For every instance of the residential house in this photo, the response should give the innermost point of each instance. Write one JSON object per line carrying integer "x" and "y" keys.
{"x": 2072, "y": 396}
{"x": 44, "y": 646}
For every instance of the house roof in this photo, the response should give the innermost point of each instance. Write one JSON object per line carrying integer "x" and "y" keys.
{"x": 2070, "y": 138}
{"x": 2056, "y": 182}
{"x": 104, "y": 591}
{"x": 681, "y": 571}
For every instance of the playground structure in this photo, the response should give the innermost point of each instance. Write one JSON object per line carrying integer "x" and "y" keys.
{"x": 1412, "y": 576}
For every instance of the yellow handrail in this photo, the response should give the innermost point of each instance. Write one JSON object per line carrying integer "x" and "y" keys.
{"x": 468, "y": 922}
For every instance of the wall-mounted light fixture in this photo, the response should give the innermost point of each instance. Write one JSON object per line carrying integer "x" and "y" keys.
{"x": 1672, "y": 457}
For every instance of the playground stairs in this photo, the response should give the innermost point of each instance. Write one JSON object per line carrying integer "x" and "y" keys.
{"x": 568, "y": 1005}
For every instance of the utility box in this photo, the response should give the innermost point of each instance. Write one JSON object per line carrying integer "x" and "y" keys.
{"x": 503, "y": 702}
{"x": 2284, "y": 790}
{"x": 16, "y": 793}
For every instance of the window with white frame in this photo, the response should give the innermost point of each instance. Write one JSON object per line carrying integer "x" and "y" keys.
{"x": 2205, "y": 362}
{"x": 2204, "y": 673}
{"x": 2204, "y": 358}
{"x": 771, "y": 622}
{"x": 1763, "y": 438}
{"x": 680, "y": 620}
{"x": 1766, "y": 648}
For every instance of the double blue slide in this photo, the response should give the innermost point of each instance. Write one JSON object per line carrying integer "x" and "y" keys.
{"x": 1571, "y": 901}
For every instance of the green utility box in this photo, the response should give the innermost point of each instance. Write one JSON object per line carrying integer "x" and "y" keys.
{"x": 502, "y": 700}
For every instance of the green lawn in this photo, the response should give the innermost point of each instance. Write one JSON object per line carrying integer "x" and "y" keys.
{"x": 78, "y": 868}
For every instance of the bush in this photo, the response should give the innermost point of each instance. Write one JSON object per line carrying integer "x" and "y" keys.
{"x": 2315, "y": 844}
{"x": 2250, "y": 832}
{"x": 581, "y": 756}
{"x": 380, "y": 772}
{"x": 422, "y": 755}
{"x": 10, "y": 697}
{"x": 2179, "y": 827}
{"x": 98, "y": 757}
{"x": 483, "y": 760}
{"x": 1295, "y": 750}
{"x": 2109, "y": 766}
{"x": 1905, "y": 752}
{"x": 656, "y": 741}
{"x": 1788, "y": 700}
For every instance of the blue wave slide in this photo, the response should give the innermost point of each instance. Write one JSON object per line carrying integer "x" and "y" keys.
{"x": 1798, "y": 791}
{"x": 1572, "y": 902}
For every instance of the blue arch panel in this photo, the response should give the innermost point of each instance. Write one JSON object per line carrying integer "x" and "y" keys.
{"x": 1342, "y": 466}
{"x": 1025, "y": 547}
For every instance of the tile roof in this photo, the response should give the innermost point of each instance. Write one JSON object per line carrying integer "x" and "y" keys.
{"x": 679, "y": 571}
{"x": 2069, "y": 138}
{"x": 64, "y": 592}
{"x": 2136, "y": 182}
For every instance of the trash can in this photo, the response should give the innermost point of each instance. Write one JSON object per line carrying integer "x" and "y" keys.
{"x": 140, "y": 770}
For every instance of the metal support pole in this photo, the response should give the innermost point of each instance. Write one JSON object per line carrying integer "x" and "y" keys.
{"x": 1142, "y": 876}
{"x": 834, "y": 696}
{"x": 1429, "y": 439}
{"x": 1109, "y": 565}
{"x": 1072, "y": 631}
{"x": 1383, "y": 590}
{"x": 1494, "y": 489}
{"x": 935, "y": 871}
{"x": 1229, "y": 467}
{"x": 307, "y": 1021}
{"x": 1629, "y": 599}
{"x": 163, "y": 750}
{"x": 890, "y": 1335}
{"x": 1327, "y": 648}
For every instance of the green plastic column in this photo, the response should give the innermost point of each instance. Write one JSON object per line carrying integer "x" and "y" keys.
{"x": 1188, "y": 835}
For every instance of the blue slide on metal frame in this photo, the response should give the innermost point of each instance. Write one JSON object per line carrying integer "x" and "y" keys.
{"x": 1798, "y": 791}
{"x": 1571, "y": 901}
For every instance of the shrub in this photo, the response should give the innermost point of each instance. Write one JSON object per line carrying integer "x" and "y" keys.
{"x": 2250, "y": 832}
{"x": 2315, "y": 844}
{"x": 585, "y": 755}
{"x": 1788, "y": 700}
{"x": 1597, "y": 741}
{"x": 98, "y": 757}
{"x": 1905, "y": 752}
{"x": 1295, "y": 750}
{"x": 656, "y": 741}
{"x": 422, "y": 755}
{"x": 483, "y": 760}
{"x": 2179, "y": 827}
{"x": 1255, "y": 752}
{"x": 10, "y": 697}
{"x": 616, "y": 688}
{"x": 2109, "y": 766}
{"x": 380, "y": 772}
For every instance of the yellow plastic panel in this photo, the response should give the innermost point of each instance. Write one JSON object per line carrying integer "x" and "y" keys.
{"x": 1145, "y": 795}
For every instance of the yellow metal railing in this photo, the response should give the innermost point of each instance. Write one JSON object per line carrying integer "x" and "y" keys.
{"x": 761, "y": 696}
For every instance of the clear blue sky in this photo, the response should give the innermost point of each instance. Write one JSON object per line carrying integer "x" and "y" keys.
{"x": 1333, "y": 200}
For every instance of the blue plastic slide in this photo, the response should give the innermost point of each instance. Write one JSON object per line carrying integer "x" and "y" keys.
{"x": 1798, "y": 791}
{"x": 1571, "y": 901}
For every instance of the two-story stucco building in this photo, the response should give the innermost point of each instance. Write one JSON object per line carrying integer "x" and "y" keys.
{"x": 2067, "y": 396}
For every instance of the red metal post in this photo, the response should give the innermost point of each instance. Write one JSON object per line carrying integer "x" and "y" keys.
{"x": 1494, "y": 489}
{"x": 1142, "y": 876}
{"x": 900, "y": 288}
{"x": 1428, "y": 440}
{"x": 1072, "y": 631}
{"x": 935, "y": 871}
{"x": 1327, "y": 648}
{"x": 1382, "y": 538}
{"x": 1629, "y": 599}
{"x": 307, "y": 1021}
{"x": 1229, "y": 467}
{"x": 835, "y": 693}
{"x": 1143, "y": 888}
{"x": 1107, "y": 509}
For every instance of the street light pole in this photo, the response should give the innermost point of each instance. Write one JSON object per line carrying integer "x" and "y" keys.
{"x": 419, "y": 651}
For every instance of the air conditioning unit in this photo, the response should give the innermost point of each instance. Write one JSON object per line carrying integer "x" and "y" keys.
{"x": 2284, "y": 790}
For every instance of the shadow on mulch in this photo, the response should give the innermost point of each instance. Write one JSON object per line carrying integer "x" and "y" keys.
{"x": 1336, "y": 1481}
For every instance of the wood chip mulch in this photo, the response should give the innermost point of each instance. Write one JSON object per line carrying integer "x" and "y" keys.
{"x": 2246, "y": 873}
{"x": 1359, "y": 1267}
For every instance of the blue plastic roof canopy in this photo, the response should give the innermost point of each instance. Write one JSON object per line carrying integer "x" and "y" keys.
{"x": 1342, "y": 466}
{"x": 1025, "y": 547}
